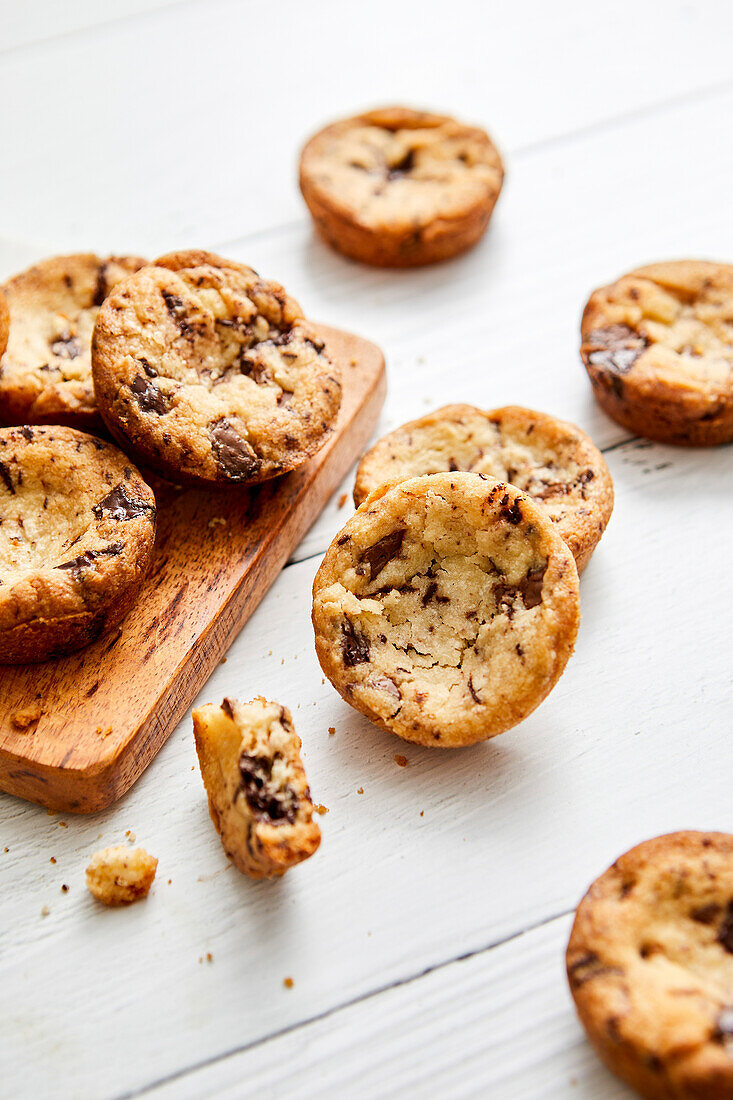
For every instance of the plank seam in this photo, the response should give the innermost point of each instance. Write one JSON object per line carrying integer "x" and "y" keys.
{"x": 327, "y": 1013}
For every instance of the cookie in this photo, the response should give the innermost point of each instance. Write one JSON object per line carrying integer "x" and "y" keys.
{"x": 553, "y": 462}
{"x": 658, "y": 348}
{"x": 120, "y": 876}
{"x": 259, "y": 799}
{"x": 77, "y": 526}
{"x": 650, "y": 966}
{"x": 208, "y": 373}
{"x": 45, "y": 374}
{"x": 446, "y": 609}
{"x": 399, "y": 188}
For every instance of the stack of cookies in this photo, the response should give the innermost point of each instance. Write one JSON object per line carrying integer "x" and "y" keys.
{"x": 198, "y": 369}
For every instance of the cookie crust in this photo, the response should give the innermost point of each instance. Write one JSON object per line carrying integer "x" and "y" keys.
{"x": 446, "y": 609}
{"x": 259, "y": 799}
{"x": 551, "y": 460}
{"x": 46, "y": 373}
{"x": 658, "y": 348}
{"x": 396, "y": 187}
{"x": 650, "y": 966}
{"x": 76, "y": 540}
{"x": 210, "y": 374}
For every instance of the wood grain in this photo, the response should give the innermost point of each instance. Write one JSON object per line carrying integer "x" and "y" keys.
{"x": 103, "y": 713}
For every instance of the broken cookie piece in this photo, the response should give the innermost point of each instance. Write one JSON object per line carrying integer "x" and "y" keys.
{"x": 259, "y": 798}
{"x": 120, "y": 875}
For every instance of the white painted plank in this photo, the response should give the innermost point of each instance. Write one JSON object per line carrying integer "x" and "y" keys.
{"x": 184, "y": 126}
{"x": 499, "y": 1024}
{"x": 36, "y": 21}
{"x": 512, "y": 830}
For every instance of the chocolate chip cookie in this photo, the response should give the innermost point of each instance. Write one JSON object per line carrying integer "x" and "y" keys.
{"x": 658, "y": 348}
{"x": 77, "y": 526}
{"x": 45, "y": 374}
{"x": 209, "y": 373}
{"x": 259, "y": 799}
{"x": 650, "y": 966}
{"x": 446, "y": 609}
{"x": 399, "y": 188}
{"x": 553, "y": 462}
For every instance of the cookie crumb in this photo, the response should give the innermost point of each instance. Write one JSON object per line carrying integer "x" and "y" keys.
{"x": 209, "y": 957}
{"x": 45, "y": 911}
{"x": 130, "y": 836}
{"x": 103, "y": 733}
{"x": 120, "y": 876}
{"x": 288, "y": 983}
{"x": 63, "y": 825}
{"x": 321, "y": 809}
{"x": 422, "y": 813}
{"x": 64, "y": 889}
{"x": 360, "y": 790}
{"x": 400, "y": 759}
{"x": 22, "y": 719}
{"x": 342, "y": 499}
{"x": 331, "y": 731}
{"x": 8, "y": 849}
{"x": 223, "y": 661}
{"x": 216, "y": 520}
{"x": 52, "y": 860}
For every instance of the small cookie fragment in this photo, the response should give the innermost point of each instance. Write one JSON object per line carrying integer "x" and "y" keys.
{"x": 446, "y": 609}
{"x": 46, "y": 372}
{"x": 259, "y": 798}
{"x": 658, "y": 348}
{"x": 209, "y": 373}
{"x": 396, "y": 187}
{"x": 552, "y": 461}
{"x": 76, "y": 540}
{"x": 120, "y": 875}
{"x": 650, "y": 966}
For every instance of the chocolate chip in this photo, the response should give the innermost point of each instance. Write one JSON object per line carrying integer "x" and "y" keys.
{"x": 27, "y": 433}
{"x": 706, "y": 914}
{"x": 120, "y": 505}
{"x": 725, "y": 932}
{"x": 589, "y": 966}
{"x": 90, "y": 556}
{"x": 265, "y": 798}
{"x": 177, "y": 310}
{"x": 234, "y": 456}
{"x": 67, "y": 346}
{"x": 511, "y": 514}
{"x": 614, "y": 348}
{"x": 7, "y": 479}
{"x": 150, "y": 371}
{"x": 402, "y": 167}
{"x": 102, "y": 289}
{"x": 385, "y": 683}
{"x": 377, "y": 556}
{"x": 148, "y": 396}
{"x": 354, "y": 645}
{"x": 429, "y": 593}
{"x": 474, "y": 695}
{"x": 529, "y": 590}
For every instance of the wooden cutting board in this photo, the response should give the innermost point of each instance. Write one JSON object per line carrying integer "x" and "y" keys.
{"x": 76, "y": 733}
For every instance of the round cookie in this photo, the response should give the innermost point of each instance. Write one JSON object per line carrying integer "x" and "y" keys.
{"x": 446, "y": 609}
{"x": 77, "y": 527}
{"x": 658, "y": 348}
{"x": 552, "y": 461}
{"x": 650, "y": 966}
{"x": 398, "y": 188}
{"x": 45, "y": 374}
{"x": 210, "y": 374}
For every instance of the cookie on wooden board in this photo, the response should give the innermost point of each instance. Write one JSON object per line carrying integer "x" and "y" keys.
{"x": 210, "y": 374}
{"x": 658, "y": 348}
{"x": 552, "y": 461}
{"x": 396, "y": 187}
{"x": 446, "y": 609}
{"x": 650, "y": 966}
{"x": 259, "y": 798}
{"x": 76, "y": 540}
{"x": 45, "y": 373}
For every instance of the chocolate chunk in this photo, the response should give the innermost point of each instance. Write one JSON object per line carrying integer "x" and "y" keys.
{"x": 354, "y": 645}
{"x": 474, "y": 695}
{"x": 102, "y": 288}
{"x": 226, "y": 706}
{"x": 90, "y": 556}
{"x": 120, "y": 505}
{"x": 511, "y": 514}
{"x": 403, "y": 166}
{"x": 529, "y": 590}
{"x": 234, "y": 456}
{"x": 725, "y": 932}
{"x": 177, "y": 310}
{"x": 589, "y": 966}
{"x": 377, "y": 556}
{"x": 550, "y": 489}
{"x": 429, "y": 593}
{"x": 265, "y": 798}
{"x": 385, "y": 683}
{"x": 7, "y": 479}
{"x": 706, "y": 914}
{"x": 615, "y": 348}
{"x": 67, "y": 346}
{"x": 27, "y": 433}
{"x": 148, "y": 396}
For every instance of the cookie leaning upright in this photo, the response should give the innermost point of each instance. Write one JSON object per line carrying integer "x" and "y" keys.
{"x": 209, "y": 373}
{"x": 399, "y": 188}
{"x": 658, "y": 348}
{"x": 45, "y": 374}
{"x": 552, "y": 461}
{"x": 76, "y": 540}
{"x": 446, "y": 609}
{"x": 650, "y": 966}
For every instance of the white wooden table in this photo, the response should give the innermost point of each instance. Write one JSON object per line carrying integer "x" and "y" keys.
{"x": 425, "y": 940}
